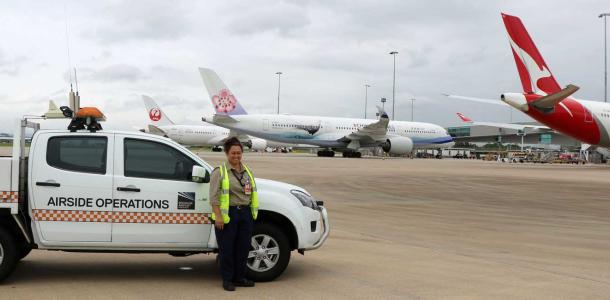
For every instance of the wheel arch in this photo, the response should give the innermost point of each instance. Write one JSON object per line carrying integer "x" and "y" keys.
{"x": 7, "y": 222}
{"x": 283, "y": 223}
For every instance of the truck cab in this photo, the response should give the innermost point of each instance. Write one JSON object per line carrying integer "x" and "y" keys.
{"x": 135, "y": 192}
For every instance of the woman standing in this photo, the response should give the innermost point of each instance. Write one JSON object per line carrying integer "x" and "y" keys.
{"x": 234, "y": 201}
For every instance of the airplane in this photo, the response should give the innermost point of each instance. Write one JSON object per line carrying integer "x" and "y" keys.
{"x": 545, "y": 101}
{"x": 199, "y": 135}
{"x": 188, "y": 135}
{"x": 333, "y": 134}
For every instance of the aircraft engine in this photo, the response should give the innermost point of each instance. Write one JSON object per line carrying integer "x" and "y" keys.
{"x": 258, "y": 144}
{"x": 398, "y": 145}
{"x": 515, "y": 100}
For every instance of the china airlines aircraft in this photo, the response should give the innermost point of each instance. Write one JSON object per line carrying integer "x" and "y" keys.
{"x": 340, "y": 134}
{"x": 545, "y": 101}
{"x": 197, "y": 135}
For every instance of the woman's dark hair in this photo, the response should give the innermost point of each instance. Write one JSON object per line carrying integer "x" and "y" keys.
{"x": 230, "y": 142}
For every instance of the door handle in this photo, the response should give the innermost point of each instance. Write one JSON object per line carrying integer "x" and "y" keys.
{"x": 46, "y": 183}
{"x": 128, "y": 189}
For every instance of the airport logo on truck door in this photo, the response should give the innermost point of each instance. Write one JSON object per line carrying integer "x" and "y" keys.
{"x": 186, "y": 200}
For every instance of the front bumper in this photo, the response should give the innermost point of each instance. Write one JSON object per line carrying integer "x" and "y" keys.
{"x": 326, "y": 225}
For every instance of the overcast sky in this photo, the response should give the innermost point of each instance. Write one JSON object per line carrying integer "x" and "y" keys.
{"x": 327, "y": 51}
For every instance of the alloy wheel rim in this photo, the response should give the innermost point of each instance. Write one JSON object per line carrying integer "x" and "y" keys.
{"x": 264, "y": 253}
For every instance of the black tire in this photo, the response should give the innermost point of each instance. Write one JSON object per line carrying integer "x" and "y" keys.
{"x": 9, "y": 254}
{"x": 24, "y": 251}
{"x": 277, "y": 237}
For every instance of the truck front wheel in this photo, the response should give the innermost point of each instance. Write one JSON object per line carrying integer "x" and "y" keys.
{"x": 269, "y": 253}
{"x": 8, "y": 254}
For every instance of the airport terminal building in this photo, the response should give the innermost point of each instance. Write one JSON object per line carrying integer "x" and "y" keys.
{"x": 490, "y": 134}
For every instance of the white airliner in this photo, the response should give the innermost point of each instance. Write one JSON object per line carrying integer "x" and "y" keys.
{"x": 341, "y": 134}
{"x": 188, "y": 135}
{"x": 198, "y": 135}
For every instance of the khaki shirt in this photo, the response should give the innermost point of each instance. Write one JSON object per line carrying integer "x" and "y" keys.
{"x": 237, "y": 196}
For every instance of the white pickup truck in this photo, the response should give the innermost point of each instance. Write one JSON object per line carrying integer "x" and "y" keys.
{"x": 110, "y": 191}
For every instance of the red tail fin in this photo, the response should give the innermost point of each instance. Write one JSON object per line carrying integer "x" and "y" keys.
{"x": 464, "y": 118}
{"x": 535, "y": 74}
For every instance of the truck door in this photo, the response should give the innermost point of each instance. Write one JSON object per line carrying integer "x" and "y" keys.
{"x": 70, "y": 182}
{"x": 156, "y": 202}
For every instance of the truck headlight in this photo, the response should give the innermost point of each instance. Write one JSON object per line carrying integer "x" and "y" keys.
{"x": 305, "y": 199}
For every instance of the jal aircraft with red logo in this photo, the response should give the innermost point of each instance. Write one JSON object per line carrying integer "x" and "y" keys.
{"x": 544, "y": 100}
{"x": 199, "y": 135}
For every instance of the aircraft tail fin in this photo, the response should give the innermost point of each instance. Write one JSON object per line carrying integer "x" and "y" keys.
{"x": 155, "y": 114}
{"x": 533, "y": 70}
{"x": 464, "y": 118}
{"x": 223, "y": 100}
{"x": 54, "y": 112}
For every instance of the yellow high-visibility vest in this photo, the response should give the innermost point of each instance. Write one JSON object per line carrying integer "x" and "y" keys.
{"x": 224, "y": 194}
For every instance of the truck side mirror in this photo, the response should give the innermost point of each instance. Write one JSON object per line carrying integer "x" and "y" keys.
{"x": 200, "y": 175}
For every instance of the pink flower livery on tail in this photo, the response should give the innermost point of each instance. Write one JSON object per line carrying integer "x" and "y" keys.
{"x": 224, "y": 102}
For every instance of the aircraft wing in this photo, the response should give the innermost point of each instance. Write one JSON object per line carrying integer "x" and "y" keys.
{"x": 244, "y": 138}
{"x": 371, "y": 133}
{"x": 480, "y": 100}
{"x": 156, "y": 130}
{"x": 512, "y": 126}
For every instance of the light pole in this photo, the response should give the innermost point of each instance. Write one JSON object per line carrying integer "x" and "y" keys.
{"x": 412, "y": 100}
{"x": 393, "y": 53}
{"x": 604, "y": 15}
{"x": 279, "y": 75}
{"x": 366, "y": 96}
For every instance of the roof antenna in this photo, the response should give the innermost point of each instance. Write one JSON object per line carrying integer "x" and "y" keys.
{"x": 77, "y": 96}
{"x": 74, "y": 99}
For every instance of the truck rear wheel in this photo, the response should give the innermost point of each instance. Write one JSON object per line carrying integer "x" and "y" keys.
{"x": 24, "y": 251}
{"x": 8, "y": 254}
{"x": 269, "y": 253}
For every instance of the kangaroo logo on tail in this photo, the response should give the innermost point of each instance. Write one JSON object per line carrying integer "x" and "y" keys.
{"x": 533, "y": 70}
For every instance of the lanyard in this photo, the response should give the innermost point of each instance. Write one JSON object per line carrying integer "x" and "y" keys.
{"x": 239, "y": 178}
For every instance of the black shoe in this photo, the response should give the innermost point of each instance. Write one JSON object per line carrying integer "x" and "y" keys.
{"x": 228, "y": 286}
{"x": 244, "y": 282}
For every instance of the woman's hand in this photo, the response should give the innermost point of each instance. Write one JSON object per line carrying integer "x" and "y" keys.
{"x": 219, "y": 222}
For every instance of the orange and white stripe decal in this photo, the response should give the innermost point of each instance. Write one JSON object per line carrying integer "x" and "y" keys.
{"x": 120, "y": 217}
{"x": 9, "y": 197}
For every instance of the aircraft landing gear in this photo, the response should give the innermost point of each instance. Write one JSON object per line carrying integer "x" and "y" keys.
{"x": 216, "y": 149}
{"x": 352, "y": 154}
{"x": 326, "y": 153}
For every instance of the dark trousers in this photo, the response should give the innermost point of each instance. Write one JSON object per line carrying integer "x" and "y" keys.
{"x": 234, "y": 243}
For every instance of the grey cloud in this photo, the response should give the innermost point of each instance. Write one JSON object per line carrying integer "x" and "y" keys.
{"x": 174, "y": 75}
{"x": 118, "y": 73}
{"x": 283, "y": 18}
{"x": 142, "y": 20}
{"x": 11, "y": 66}
{"x": 112, "y": 73}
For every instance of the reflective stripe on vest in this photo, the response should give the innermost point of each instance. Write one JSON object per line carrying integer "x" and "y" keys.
{"x": 224, "y": 194}
{"x": 253, "y": 195}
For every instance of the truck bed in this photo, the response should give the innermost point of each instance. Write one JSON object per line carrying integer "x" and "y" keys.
{"x": 8, "y": 194}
